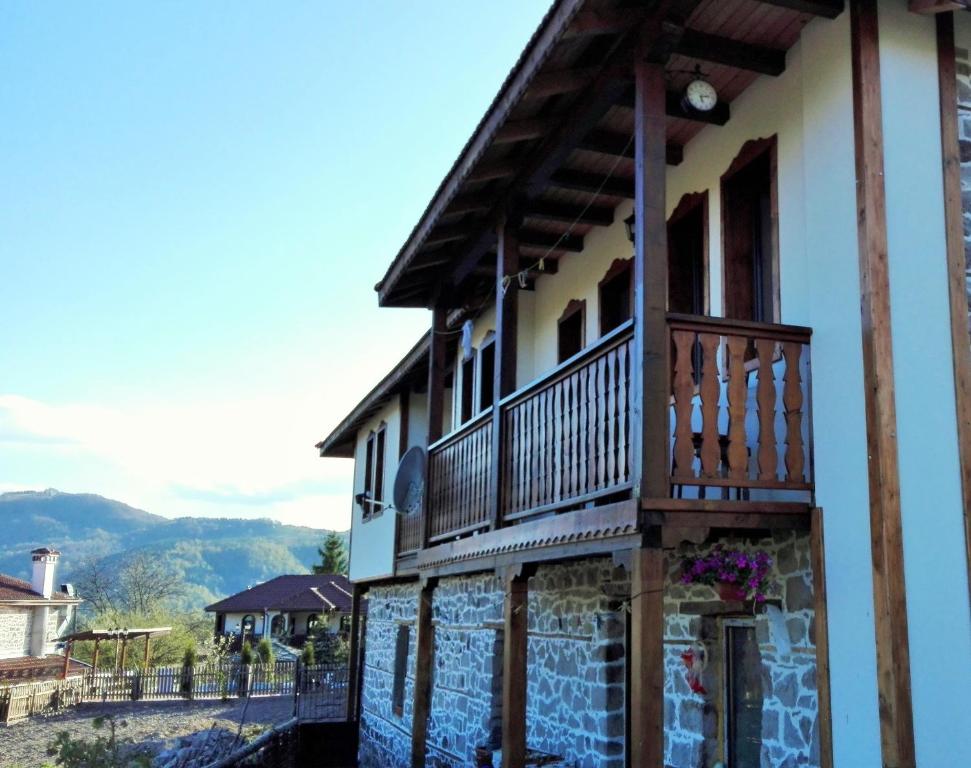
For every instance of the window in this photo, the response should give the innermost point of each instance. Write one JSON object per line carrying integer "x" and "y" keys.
{"x": 312, "y": 621}
{"x": 487, "y": 372}
{"x": 570, "y": 329}
{"x": 743, "y": 695}
{"x": 400, "y": 667}
{"x": 749, "y": 223}
{"x": 688, "y": 255}
{"x": 373, "y": 474}
{"x": 468, "y": 384}
{"x": 616, "y": 296}
{"x": 248, "y": 624}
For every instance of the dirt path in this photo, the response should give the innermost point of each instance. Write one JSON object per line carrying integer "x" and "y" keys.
{"x": 24, "y": 745}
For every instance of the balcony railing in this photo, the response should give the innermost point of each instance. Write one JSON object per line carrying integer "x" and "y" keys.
{"x": 740, "y": 420}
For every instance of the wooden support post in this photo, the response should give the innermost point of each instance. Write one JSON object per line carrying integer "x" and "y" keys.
{"x": 97, "y": 650}
{"x": 424, "y": 659}
{"x": 956, "y": 259}
{"x": 646, "y": 658}
{"x": 514, "y": 649}
{"x": 652, "y": 380}
{"x": 148, "y": 652}
{"x": 124, "y": 651}
{"x": 353, "y": 659}
{"x": 504, "y": 372}
{"x": 67, "y": 658}
{"x": 117, "y": 648}
{"x": 436, "y": 401}
{"x": 889, "y": 592}
{"x": 821, "y": 622}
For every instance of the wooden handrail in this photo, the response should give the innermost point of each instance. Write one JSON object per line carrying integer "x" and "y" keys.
{"x": 617, "y": 336}
{"x": 728, "y": 327}
{"x": 457, "y": 434}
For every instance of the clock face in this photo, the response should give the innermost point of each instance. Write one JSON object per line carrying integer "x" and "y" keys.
{"x": 701, "y": 95}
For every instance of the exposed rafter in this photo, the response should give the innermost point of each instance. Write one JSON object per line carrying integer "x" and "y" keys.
{"x": 619, "y": 145}
{"x": 523, "y": 130}
{"x": 581, "y": 181}
{"x": 531, "y": 238}
{"x": 598, "y": 215}
{"x": 717, "y": 116}
{"x": 829, "y": 9}
{"x": 723, "y": 50}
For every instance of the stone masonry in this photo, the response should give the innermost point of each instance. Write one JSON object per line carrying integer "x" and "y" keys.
{"x": 15, "y": 627}
{"x": 577, "y": 665}
{"x": 785, "y": 630}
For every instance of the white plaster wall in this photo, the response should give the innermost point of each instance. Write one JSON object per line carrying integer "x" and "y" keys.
{"x": 372, "y": 543}
{"x": 234, "y": 619}
{"x": 930, "y": 492}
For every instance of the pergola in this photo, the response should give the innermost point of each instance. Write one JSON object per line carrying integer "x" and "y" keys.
{"x": 121, "y": 637}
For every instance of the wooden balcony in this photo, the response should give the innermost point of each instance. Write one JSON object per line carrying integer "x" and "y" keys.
{"x": 740, "y": 430}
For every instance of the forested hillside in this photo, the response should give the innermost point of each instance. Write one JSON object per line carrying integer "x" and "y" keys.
{"x": 214, "y": 557}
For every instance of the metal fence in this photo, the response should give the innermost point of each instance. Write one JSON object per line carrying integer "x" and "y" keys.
{"x": 319, "y": 690}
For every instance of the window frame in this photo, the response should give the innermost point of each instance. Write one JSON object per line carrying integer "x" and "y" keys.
{"x": 573, "y": 308}
{"x": 617, "y": 268}
{"x": 374, "y": 460}
{"x": 486, "y": 382}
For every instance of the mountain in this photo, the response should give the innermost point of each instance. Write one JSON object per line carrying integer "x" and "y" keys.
{"x": 214, "y": 556}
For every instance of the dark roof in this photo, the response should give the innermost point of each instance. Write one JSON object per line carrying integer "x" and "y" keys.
{"x": 323, "y": 593}
{"x": 30, "y": 668}
{"x": 339, "y": 444}
{"x": 14, "y": 589}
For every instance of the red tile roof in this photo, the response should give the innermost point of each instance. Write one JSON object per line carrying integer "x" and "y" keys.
{"x": 12, "y": 588}
{"x": 27, "y": 668}
{"x": 323, "y": 593}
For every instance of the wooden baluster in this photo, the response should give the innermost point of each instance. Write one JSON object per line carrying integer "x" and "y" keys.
{"x": 513, "y": 475}
{"x": 557, "y": 452}
{"x": 792, "y": 400}
{"x": 522, "y": 428}
{"x": 611, "y": 417}
{"x": 581, "y": 480}
{"x": 710, "y": 390}
{"x": 574, "y": 428}
{"x": 623, "y": 465}
{"x": 536, "y": 453}
{"x": 737, "y": 450}
{"x": 765, "y": 398}
{"x": 592, "y": 431}
{"x": 601, "y": 425}
{"x": 684, "y": 385}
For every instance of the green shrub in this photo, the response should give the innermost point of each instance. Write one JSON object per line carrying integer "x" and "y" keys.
{"x": 264, "y": 649}
{"x": 101, "y": 753}
{"x": 246, "y": 653}
{"x": 189, "y": 657}
{"x": 307, "y": 655}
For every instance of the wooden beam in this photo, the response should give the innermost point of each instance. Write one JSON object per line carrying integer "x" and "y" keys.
{"x": 436, "y": 396}
{"x": 148, "y": 652}
{"x": 828, "y": 9}
{"x": 602, "y": 22}
{"x": 674, "y": 108}
{"x": 889, "y": 590}
{"x": 353, "y": 656}
{"x": 937, "y": 6}
{"x": 597, "y": 215}
{"x": 504, "y": 368}
{"x": 514, "y": 651}
{"x": 522, "y": 130}
{"x": 448, "y": 233}
{"x": 424, "y": 661}
{"x": 501, "y": 169}
{"x": 817, "y": 552}
{"x": 469, "y": 204}
{"x": 651, "y": 393}
{"x": 731, "y": 53}
{"x": 581, "y": 181}
{"x": 67, "y": 658}
{"x": 97, "y": 650}
{"x": 554, "y": 83}
{"x": 534, "y": 238}
{"x": 618, "y": 144}
{"x": 646, "y": 658}
{"x": 956, "y": 258}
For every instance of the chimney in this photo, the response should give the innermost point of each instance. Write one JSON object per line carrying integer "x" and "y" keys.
{"x": 45, "y": 561}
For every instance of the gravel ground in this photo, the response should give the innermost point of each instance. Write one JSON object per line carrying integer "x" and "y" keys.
{"x": 24, "y": 744}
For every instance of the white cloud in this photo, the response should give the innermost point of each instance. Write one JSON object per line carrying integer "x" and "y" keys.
{"x": 235, "y": 457}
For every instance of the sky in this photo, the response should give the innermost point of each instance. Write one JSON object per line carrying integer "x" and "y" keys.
{"x": 196, "y": 201}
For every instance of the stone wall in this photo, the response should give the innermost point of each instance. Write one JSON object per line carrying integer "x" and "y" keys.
{"x": 577, "y": 665}
{"x": 784, "y": 626}
{"x": 15, "y": 627}
{"x": 385, "y": 736}
{"x": 964, "y": 134}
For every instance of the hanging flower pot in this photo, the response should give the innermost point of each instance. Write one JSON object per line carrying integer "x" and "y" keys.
{"x": 735, "y": 574}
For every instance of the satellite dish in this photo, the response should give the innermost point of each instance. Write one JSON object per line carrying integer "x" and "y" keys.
{"x": 409, "y": 483}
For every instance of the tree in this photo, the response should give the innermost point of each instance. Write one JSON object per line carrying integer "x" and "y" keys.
{"x": 141, "y": 584}
{"x": 333, "y": 556}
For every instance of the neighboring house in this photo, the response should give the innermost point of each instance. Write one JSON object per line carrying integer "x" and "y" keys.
{"x": 697, "y": 284}
{"x": 289, "y": 606}
{"x": 33, "y": 616}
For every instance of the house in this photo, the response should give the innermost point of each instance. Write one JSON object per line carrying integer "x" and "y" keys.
{"x": 699, "y": 315}
{"x": 33, "y": 617}
{"x": 290, "y": 606}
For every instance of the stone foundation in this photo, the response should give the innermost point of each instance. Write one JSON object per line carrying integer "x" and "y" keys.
{"x": 577, "y": 665}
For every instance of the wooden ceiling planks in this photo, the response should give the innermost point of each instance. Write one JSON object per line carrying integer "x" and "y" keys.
{"x": 758, "y": 30}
